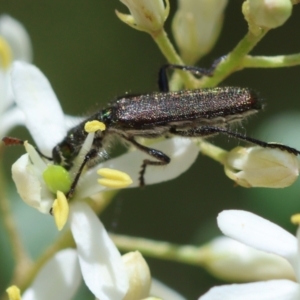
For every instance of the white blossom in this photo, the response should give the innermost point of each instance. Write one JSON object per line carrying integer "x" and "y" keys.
{"x": 196, "y": 27}
{"x": 263, "y": 235}
{"x": 100, "y": 262}
{"x": 267, "y": 14}
{"x": 15, "y": 44}
{"x": 145, "y": 15}
{"x": 46, "y": 122}
{"x": 261, "y": 167}
{"x": 232, "y": 261}
{"x": 58, "y": 279}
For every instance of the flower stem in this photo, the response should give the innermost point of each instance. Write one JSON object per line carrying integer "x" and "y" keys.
{"x": 278, "y": 61}
{"x": 233, "y": 61}
{"x": 168, "y": 50}
{"x": 163, "y": 250}
{"x": 216, "y": 153}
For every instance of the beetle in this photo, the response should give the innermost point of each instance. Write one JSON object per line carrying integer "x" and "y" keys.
{"x": 186, "y": 113}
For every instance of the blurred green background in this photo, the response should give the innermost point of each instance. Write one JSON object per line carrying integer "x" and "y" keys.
{"x": 90, "y": 57}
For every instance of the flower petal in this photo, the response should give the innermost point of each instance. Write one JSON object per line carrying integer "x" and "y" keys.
{"x": 29, "y": 185}
{"x": 183, "y": 153}
{"x": 146, "y": 15}
{"x": 138, "y": 274}
{"x": 17, "y": 37}
{"x": 100, "y": 261}
{"x": 267, "y": 13}
{"x": 259, "y": 233}
{"x": 196, "y": 26}
{"x": 264, "y": 290}
{"x": 261, "y": 167}
{"x": 59, "y": 279}
{"x": 233, "y": 261}
{"x": 35, "y": 97}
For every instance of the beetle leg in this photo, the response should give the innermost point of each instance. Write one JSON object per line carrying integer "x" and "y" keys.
{"x": 89, "y": 156}
{"x": 210, "y": 130}
{"x": 163, "y": 82}
{"x": 162, "y": 158}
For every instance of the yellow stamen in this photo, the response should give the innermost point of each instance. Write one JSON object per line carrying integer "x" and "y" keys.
{"x": 114, "y": 178}
{"x": 93, "y": 126}
{"x": 60, "y": 210}
{"x": 295, "y": 219}
{"x": 5, "y": 54}
{"x": 13, "y": 293}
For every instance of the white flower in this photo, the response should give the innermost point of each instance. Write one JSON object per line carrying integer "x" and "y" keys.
{"x": 101, "y": 264}
{"x": 106, "y": 273}
{"x": 234, "y": 261}
{"x": 14, "y": 45}
{"x": 263, "y": 235}
{"x": 139, "y": 275}
{"x": 96, "y": 259}
{"x": 267, "y": 13}
{"x": 145, "y": 15}
{"x": 46, "y": 123}
{"x": 58, "y": 279}
{"x": 17, "y": 37}
{"x": 196, "y": 27}
{"x": 261, "y": 167}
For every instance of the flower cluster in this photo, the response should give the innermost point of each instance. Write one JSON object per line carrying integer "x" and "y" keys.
{"x": 37, "y": 101}
{"x": 66, "y": 183}
{"x": 263, "y": 235}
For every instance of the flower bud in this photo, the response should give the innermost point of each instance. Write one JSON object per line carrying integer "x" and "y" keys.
{"x": 145, "y": 15}
{"x": 261, "y": 167}
{"x": 138, "y": 274}
{"x": 196, "y": 27}
{"x": 267, "y": 13}
{"x": 233, "y": 261}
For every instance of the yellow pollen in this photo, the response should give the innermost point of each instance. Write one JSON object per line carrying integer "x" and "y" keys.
{"x": 13, "y": 293}
{"x": 114, "y": 178}
{"x": 93, "y": 126}
{"x": 60, "y": 210}
{"x": 295, "y": 219}
{"x": 5, "y": 54}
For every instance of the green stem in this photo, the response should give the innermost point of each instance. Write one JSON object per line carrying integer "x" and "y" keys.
{"x": 216, "y": 153}
{"x": 233, "y": 61}
{"x": 278, "y": 61}
{"x": 163, "y": 250}
{"x": 168, "y": 50}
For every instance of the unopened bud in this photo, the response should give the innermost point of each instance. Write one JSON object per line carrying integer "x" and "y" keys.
{"x": 261, "y": 167}
{"x": 267, "y": 14}
{"x": 139, "y": 275}
{"x": 233, "y": 261}
{"x": 196, "y": 27}
{"x": 145, "y": 15}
